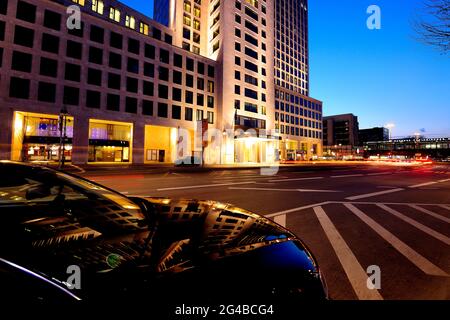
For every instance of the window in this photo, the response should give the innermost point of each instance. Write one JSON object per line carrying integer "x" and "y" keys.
{"x": 132, "y": 85}
{"x": 50, "y": 43}
{"x": 201, "y": 68}
{"x": 3, "y": 7}
{"x": 250, "y": 107}
{"x": 77, "y": 32}
{"x": 178, "y": 60}
{"x": 26, "y": 11}
{"x": 72, "y": 72}
{"x": 237, "y": 89}
{"x": 211, "y": 71}
{"x": 163, "y": 91}
{"x": 251, "y": 26}
{"x": 115, "y": 60}
{"x": 2, "y": 30}
{"x": 116, "y": 40}
{"x": 46, "y": 92}
{"x": 98, "y": 6}
{"x": 200, "y": 99}
{"x": 114, "y": 14}
{"x": 210, "y": 102}
{"x": 113, "y": 102}
{"x": 251, "y": 66}
{"x": 162, "y": 110}
{"x": 237, "y": 104}
{"x": 133, "y": 46}
{"x": 143, "y": 28}
{"x": 164, "y": 56}
{"x": 237, "y": 75}
{"x": 176, "y": 94}
{"x": 21, "y": 61}
{"x": 114, "y": 81}
{"x": 74, "y": 49}
{"x": 71, "y": 96}
{"x": 189, "y": 64}
{"x": 251, "y": 80}
{"x": 251, "y": 39}
{"x": 149, "y": 70}
{"x": 48, "y": 67}
{"x": 149, "y": 51}
{"x": 163, "y": 73}
{"x": 93, "y": 99}
{"x": 95, "y": 55}
{"x": 189, "y": 97}
{"x": 188, "y": 114}
{"x": 94, "y": 77}
{"x": 97, "y": 34}
{"x": 186, "y": 33}
{"x": 249, "y": 93}
{"x": 131, "y": 105}
{"x": 176, "y": 112}
{"x": 147, "y": 88}
{"x": 200, "y": 84}
{"x": 147, "y": 108}
{"x": 24, "y": 36}
{"x": 177, "y": 77}
{"x": 19, "y": 88}
{"x": 210, "y": 116}
{"x": 133, "y": 65}
{"x": 252, "y": 14}
{"x": 199, "y": 115}
{"x": 130, "y": 22}
{"x": 210, "y": 86}
{"x": 189, "y": 80}
{"x": 52, "y": 20}
{"x": 251, "y": 53}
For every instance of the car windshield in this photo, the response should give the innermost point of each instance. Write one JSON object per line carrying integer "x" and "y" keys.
{"x": 51, "y": 220}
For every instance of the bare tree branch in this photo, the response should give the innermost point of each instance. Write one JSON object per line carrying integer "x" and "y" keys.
{"x": 434, "y": 27}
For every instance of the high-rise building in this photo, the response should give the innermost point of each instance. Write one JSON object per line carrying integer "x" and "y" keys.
{"x": 118, "y": 86}
{"x": 373, "y": 134}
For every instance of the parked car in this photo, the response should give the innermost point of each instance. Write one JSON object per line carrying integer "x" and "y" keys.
{"x": 64, "y": 238}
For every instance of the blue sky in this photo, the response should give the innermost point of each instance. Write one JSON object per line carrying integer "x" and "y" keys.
{"x": 382, "y": 76}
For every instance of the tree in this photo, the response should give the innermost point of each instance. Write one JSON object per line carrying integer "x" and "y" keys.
{"x": 434, "y": 30}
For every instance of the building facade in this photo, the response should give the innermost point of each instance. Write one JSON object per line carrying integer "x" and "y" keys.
{"x": 340, "y": 136}
{"x": 136, "y": 90}
{"x": 373, "y": 134}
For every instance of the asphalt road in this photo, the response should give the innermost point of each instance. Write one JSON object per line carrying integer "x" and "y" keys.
{"x": 395, "y": 218}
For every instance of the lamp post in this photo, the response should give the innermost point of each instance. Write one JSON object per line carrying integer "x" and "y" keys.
{"x": 62, "y": 135}
{"x": 390, "y": 126}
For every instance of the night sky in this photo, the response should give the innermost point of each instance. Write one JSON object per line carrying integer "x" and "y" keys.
{"x": 382, "y": 76}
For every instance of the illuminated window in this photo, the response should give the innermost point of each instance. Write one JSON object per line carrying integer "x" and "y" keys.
{"x": 143, "y": 28}
{"x": 98, "y": 6}
{"x": 187, "y": 6}
{"x": 79, "y": 2}
{"x": 195, "y": 50}
{"x": 114, "y": 14}
{"x": 253, "y": 2}
{"x": 187, "y": 20}
{"x": 196, "y": 24}
{"x": 197, "y": 12}
{"x": 130, "y": 22}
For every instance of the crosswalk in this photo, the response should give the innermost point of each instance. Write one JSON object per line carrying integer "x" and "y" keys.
{"x": 430, "y": 220}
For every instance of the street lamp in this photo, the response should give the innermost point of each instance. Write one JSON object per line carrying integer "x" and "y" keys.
{"x": 390, "y": 126}
{"x": 62, "y": 135}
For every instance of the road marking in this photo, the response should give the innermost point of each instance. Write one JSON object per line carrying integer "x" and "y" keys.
{"x": 296, "y": 209}
{"x": 416, "y": 224}
{"x": 296, "y": 179}
{"x": 205, "y": 186}
{"x": 348, "y": 176}
{"x": 281, "y": 220}
{"x": 374, "y": 194}
{"x": 431, "y": 213}
{"x": 283, "y": 190}
{"x": 419, "y": 261}
{"x": 444, "y": 180}
{"x": 353, "y": 269}
{"x": 379, "y": 173}
{"x": 423, "y": 184}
